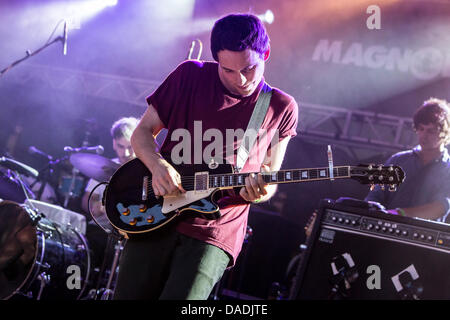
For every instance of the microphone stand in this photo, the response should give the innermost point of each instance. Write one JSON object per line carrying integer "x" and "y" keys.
{"x": 29, "y": 55}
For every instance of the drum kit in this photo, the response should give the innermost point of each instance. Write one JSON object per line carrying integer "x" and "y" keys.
{"x": 44, "y": 248}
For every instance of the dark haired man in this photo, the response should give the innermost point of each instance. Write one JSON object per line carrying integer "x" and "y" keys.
{"x": 425, "y": 192}
{"x": 185, "y": 259}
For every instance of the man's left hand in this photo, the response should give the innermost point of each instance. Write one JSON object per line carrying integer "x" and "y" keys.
{"x": 255, "y": 187}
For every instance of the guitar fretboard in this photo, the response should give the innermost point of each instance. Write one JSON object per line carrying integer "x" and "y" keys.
{"x": 282, "y": 176}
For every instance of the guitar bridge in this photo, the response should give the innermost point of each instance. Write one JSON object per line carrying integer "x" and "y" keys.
{"x": 144, "y": 188}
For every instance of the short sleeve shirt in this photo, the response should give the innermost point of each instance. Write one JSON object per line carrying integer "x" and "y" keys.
{"x": 194, "y": 99}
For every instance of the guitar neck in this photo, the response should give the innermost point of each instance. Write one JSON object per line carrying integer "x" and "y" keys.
{"x": 225, "y": 181}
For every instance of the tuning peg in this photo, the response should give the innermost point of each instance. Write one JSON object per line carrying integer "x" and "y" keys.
{"x": 391, "y": 179}
{"x": 380, "y": 167}
{"x": 370, "y": 167}
{"x": 380, "y": 178}
{"x": 391, "y": 168}
{"x": 392, "y": 188}
{"x": 371, "y": 178}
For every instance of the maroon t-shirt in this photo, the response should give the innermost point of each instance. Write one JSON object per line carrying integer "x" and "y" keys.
{"x": 192, "y": 93}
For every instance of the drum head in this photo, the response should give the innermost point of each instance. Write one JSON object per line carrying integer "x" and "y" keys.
{"x": 18, "y": 245}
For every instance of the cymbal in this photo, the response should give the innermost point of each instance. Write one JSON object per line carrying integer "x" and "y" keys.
{"x": 94, "y": 166}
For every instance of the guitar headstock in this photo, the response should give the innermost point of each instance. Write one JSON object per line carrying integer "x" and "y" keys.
{"x": 391, "y": 176}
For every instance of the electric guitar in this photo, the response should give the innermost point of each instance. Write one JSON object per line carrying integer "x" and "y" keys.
{"x": 131, "y": 205}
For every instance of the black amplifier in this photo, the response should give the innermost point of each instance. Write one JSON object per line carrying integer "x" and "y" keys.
{"x": 362, "y": 253}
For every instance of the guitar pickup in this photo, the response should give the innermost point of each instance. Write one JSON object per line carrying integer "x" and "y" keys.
{"x": 201, "y": 183}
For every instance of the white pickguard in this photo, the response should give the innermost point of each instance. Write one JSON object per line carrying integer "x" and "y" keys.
{"x": 173, "y": 203}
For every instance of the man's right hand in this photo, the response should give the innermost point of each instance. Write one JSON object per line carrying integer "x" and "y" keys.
{"x": 166, "y": 181}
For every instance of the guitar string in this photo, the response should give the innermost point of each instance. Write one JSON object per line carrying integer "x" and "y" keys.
{"x": 265, "y": 174}
{"x": 268, "y": 174}
{"x": 189, "y": 181}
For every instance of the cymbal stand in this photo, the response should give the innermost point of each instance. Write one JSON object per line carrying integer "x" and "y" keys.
{"x": 69, "y": 194}
{"x": 108, "y": 292}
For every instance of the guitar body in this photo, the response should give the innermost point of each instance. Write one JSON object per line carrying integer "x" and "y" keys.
{"x": 130, "y": 211}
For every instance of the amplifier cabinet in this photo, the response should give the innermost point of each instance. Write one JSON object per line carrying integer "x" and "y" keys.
{"x": 362, "y": 254}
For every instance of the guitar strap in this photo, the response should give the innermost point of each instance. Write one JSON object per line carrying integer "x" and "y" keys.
{"x": 256, "y": 120}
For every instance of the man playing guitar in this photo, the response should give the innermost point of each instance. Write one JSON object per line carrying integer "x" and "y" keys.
{"x": 186, "y": 259}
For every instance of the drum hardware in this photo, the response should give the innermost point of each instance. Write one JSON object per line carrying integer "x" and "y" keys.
{"x": 46, "y": 174}
{"x": 71, "y": 193}
{"x": 47, "y": 234}
{"x": 16, "y": 177}
{"x": 71, "y": 186}
{"x": 44, "y": 265}
{"x": 18, "y": 167}
{"x": 10, "y": 188}
{"x": 44, "y": 279}
{"x": 35, "y": 216}
{"x": 75, "y": 181}
{"x": 108, "y": 292}
{"x": 116, "y": 241}
{"x": 59, "y": 215}
{"x": 101, "y": 169}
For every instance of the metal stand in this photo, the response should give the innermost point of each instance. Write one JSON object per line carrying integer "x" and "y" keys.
{"x": 29, "y": 54}
{"x": 69, "y": 194}
{"x": 46, "y": 175}
{"x": 44, "y": 279}
{"x": 108, "y": 292}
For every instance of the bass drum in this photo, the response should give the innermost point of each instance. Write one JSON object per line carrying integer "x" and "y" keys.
{"x": 40, "y": 259}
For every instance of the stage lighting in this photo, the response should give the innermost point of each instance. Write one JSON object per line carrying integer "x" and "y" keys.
{"x": 110, "y": 3}
{"x": 267, "y": 17}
